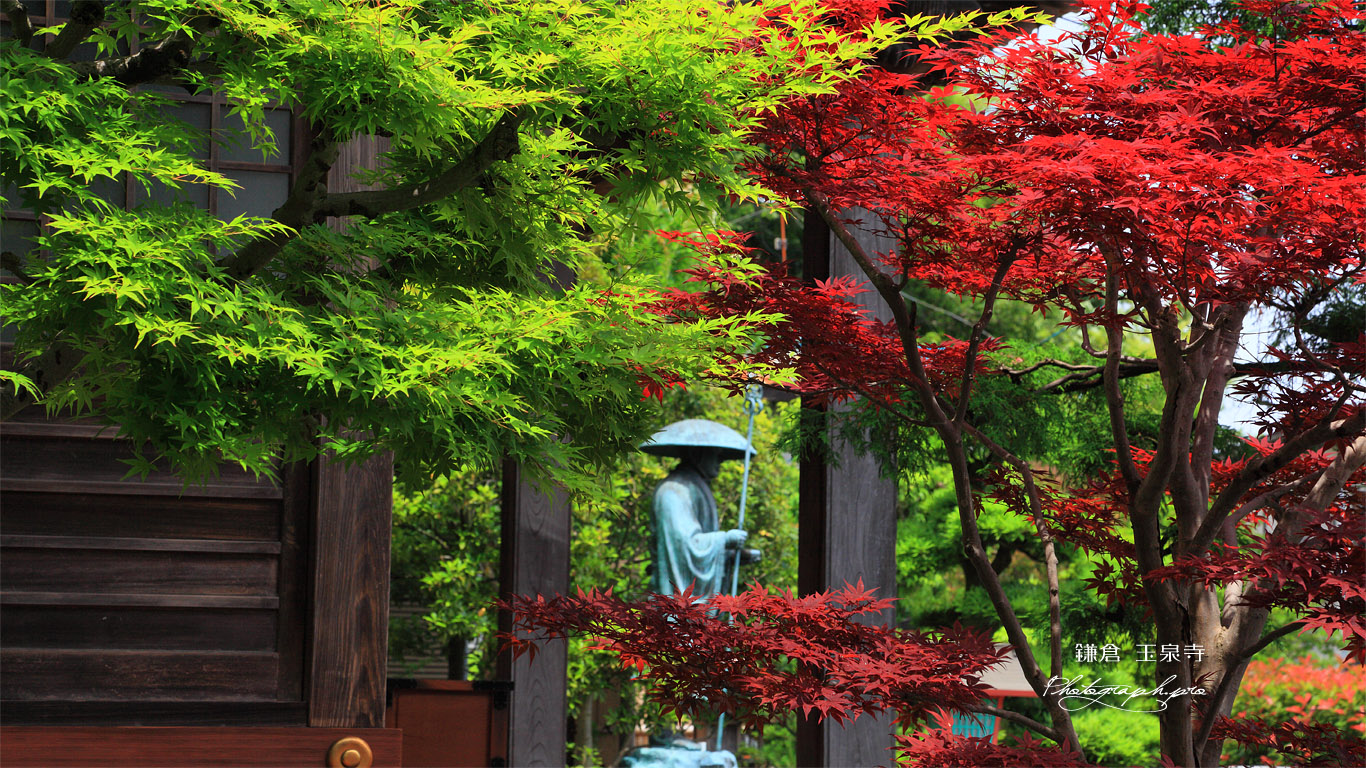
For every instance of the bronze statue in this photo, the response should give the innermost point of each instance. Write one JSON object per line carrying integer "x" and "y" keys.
{"x": 691, "y": 549}
{"x": 689, "y": 546}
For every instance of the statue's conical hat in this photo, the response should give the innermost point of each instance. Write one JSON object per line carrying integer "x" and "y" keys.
{"x": 675, "y": 439}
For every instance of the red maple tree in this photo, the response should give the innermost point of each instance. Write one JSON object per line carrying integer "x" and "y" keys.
{"x": 767, "y": 652}
{"x": 1167, "y": 186}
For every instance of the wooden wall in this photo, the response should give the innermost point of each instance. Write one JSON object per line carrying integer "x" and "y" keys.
{"x": 127, "y": 601}
{"x": 245, "y": 601}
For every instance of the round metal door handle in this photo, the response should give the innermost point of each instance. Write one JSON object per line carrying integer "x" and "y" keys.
{"x": 350, "y": 752}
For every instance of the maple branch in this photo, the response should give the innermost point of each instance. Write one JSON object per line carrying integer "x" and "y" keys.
{"x": 1114, "y": 396}
{"x": 56, "y": 364}
{"x": 978, "y": 330}
{"x": 1319, "y": 291}
{"x": 1335, "y": 476}
{"x": 1084, "y": 376}
{"x": 152, "y": 62}
{"x": 1331, "y": 481}
{"x": 1202, "y": 330}
{"x": 1181, "y": 396}
{"x": 309, "y": 203}
{"x": 1348, "y": 384}
{"x": 1218, "y": 369}
{"x": 1079, "y": 381}
{"x": 1086, "y": 341}
{"x": 1331, "y": 123}
{"x": 1268, "y": 639}
{"x": 9, "y": 260}
{"x": 1263, "y": 499}
{"x": 882, "y": 402}
{"x": 306, "y": 204}
{"x": 1329, "y": 485}
{"x": 1212, "y": 707}
{"x": 880, "y": 280}
{"x": 931, "y": 307}
{"x": 1017, "y": 718}
{"x": 499, "y": 144}
{"x": 84, "y": 18}
{"x": 21, "y": 28}
{"x": 1262, "y": 467}
{"x": 991, "y": 582}
{"x": 1045, "y": 535}
{"x": 891, "y": 295}
{"x": 952, "y": 437}
{"x": 1017, "y": 373}
{"x": 296, "y": 212}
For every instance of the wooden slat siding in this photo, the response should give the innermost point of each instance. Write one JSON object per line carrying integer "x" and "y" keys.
{"x": 133, "y": 572}
{"x": 105, "y": 675}
{"x": 534, "y": 561}
{"x": 66, "y": 497}
{"x": 113, "y": 600}
{"x": 141, "y": 544}
{"x": 37, "y": 415}
{"x": 140, "y": 602}
{"x": 44, "y": 463}
{"x": 345, "y": 671}
{"x": 150, "y": 488}
{"x": 196, "y": 629}
{"x": 847, "y": 530}
{"x": 58, "y": 429}
{"x": 419, "y": 668}
{"x": 25, "y": 513}
{"x": 148, "y": 713}
{"x": 182, "y": 747}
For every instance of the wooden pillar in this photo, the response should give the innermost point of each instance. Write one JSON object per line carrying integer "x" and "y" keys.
{"x": 847, "y": 528}
{"x": 348, "y": 655}
{"x": 347, "y": 660}
{"x": 535, "y": 560}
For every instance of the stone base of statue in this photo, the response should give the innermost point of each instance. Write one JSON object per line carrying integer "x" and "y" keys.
{"x": 679, "y": 753}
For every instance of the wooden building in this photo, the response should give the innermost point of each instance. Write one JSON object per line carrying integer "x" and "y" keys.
{"x": 239, "y": 622}
{"x": 243, "y": 621}
{"x": 242, "y": 617}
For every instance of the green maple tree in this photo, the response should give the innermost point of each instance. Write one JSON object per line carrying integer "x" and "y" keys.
{"x": 521, "y": 137}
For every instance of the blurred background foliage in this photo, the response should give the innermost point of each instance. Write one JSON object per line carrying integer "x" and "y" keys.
{"x": 1312, "y": 688}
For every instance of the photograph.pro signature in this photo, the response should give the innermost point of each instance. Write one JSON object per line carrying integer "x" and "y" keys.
{"x": 1075, "y": 695}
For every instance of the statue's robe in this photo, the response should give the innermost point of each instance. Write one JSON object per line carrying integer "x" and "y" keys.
{"x": 688, "y": 550}
{"x": 688, "y": 547}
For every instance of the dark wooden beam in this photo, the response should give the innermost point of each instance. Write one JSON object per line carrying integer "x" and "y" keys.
{"x": 847, "y": 530}
{"x": 535, "y": 561}
{"x": 180, "y": 747}
{"x": 348, "y": 652}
